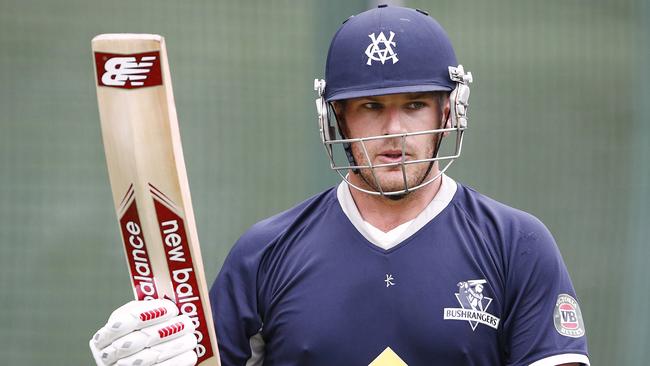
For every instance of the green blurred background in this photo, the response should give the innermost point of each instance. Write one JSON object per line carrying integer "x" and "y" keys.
{"x": 559, "y": 127}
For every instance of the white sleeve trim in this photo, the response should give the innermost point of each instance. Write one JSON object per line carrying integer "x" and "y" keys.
{"x": 257, "y": 350}
{"x": 562, "y": 359}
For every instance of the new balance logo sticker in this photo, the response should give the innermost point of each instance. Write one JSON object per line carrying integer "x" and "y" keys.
{"x": 381, "y": 49}
{"x": 474, "y": 305}
{"x": 567, "y": 317}
{"x": 128, "y": 71}
{"x": 153, "y": 314}
{"x": 170, "y": 329}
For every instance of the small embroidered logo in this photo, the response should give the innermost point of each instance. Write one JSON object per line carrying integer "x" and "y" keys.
{"x": 389, "y": 280}
{"x": 381, "y": 49}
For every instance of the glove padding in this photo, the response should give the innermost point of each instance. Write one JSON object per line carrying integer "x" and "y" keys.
{"x": 145, "y": 333}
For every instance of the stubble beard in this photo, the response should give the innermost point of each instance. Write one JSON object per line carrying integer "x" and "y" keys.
{"x": 416, "y": 174}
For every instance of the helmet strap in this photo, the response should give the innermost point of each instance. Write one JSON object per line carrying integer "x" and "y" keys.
{"x": 437, "y": 149}
{"x": 347, "y": 147}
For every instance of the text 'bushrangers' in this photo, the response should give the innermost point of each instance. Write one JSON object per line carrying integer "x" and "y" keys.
{"x": 472, "y": 315}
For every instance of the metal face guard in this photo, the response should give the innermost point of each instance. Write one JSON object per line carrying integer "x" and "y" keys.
{"x": 459, "y": 102}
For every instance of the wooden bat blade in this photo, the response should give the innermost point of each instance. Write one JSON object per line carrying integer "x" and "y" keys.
{"x": 148, "y": 178}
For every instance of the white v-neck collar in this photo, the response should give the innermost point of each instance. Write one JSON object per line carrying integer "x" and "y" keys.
{"x": 402, "y": 232}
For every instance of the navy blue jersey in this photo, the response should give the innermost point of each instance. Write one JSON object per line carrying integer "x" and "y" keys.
{"x": 479, "y": 284}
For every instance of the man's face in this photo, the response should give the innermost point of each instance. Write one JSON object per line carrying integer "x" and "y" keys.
{"x": 388, "y": 115}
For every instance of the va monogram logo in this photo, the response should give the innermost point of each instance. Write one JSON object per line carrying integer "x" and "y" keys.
{"x": 381, "y": 49}
{"x": 474, "y": 305}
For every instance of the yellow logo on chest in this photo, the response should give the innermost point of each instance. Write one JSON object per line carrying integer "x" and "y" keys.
{"x": 388, "y": 358}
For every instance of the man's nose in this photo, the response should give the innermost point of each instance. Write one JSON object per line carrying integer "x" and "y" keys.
{"x": 394, "y": 121}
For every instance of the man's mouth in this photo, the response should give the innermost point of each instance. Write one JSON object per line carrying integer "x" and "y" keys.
{"x": 391, "y": 156}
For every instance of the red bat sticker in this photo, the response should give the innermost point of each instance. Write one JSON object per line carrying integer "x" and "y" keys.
{"x": 128, "y": 71}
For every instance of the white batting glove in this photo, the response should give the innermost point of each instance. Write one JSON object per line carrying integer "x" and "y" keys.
{"x": 145, "y": 333}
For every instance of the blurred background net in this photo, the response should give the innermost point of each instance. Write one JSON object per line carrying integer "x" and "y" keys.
{"x": 558, "y": 127}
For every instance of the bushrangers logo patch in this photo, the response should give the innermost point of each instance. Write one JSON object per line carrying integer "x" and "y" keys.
{"x": 474, "y": 305}
{"x": 567, "y": 317}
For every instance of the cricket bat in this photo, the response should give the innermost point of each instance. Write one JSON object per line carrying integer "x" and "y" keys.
{"x": 148, "y": 178}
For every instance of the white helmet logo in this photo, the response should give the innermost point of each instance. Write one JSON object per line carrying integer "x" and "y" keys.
{"x": 381, "y": 49}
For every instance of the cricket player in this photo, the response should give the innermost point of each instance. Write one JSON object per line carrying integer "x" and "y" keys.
{"x": 398, "y": 264}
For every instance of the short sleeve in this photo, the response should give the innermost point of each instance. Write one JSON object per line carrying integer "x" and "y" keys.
{"x": 542, "y": 321}
{"x": 233, "y": 297}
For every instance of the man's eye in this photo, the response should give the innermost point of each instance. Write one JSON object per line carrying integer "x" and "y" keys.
{"x": 371, "y": 105}
{"x": 416, "y": 105}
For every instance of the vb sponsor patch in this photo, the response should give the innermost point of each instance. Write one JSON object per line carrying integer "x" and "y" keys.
{"x": 567, "y": 317}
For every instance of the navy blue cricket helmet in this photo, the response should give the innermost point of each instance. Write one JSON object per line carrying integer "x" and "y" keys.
{"x": 388, "y": 50}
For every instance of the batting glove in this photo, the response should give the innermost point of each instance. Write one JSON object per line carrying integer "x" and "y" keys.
{"x": 145, "y": 333}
